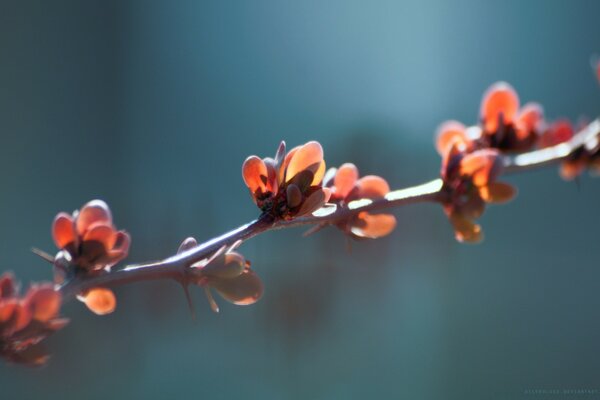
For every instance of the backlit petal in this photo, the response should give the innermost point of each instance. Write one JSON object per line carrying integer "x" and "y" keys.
{"x": 499, "y": 99}
{"x": 44, "y": 302}
{"x": 483, "y": 166}
{"x": 451, "y": 132}
{"x": 345, "y": 179}
{"x": 373, "y": 226}
{"x": 319, "y": 174}
{"x": 93, "y": 212}
{"x": 371, "y": 187}
{"x": 530, "y": 116}
{"x": 255, "y": 174}
{"x": 102, "y": 233}
{"x": 497, "y": 192}
{"x": 308, "y": 157}
{"x": 100, "y": 301}
{"x": 63, "y": 230}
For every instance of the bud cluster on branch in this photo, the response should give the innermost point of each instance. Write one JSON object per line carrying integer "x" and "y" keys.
{"x": 294, "y": 188}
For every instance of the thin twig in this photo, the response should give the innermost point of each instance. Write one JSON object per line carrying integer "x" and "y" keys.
{"x": 176, "y": 267}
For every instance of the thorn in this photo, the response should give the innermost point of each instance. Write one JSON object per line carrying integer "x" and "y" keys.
{"x": 313, "y": 230}
{"x": 43, "y": 255}
{"x": 188, "y": 297}
{"x": 211, "y": 300}
{"x": 235, "y": 245}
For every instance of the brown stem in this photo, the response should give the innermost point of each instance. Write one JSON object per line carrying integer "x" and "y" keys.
{"x": 175, "y": 267}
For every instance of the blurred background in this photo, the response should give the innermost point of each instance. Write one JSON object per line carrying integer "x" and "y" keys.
{"x": 153, "y": 106}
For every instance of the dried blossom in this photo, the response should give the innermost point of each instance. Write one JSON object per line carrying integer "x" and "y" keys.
{"x": 346, "y": 186}
{"x": 289, "y": 185}
{"x": 26, "y": 321}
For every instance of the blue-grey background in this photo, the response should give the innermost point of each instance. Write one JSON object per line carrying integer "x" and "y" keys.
{"x": 153, "y": 106}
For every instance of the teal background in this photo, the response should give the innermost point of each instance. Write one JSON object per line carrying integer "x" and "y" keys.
{"x": 153, "y": 106}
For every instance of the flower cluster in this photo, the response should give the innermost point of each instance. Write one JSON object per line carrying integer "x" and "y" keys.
{"x": 504, "y": 125}
{"x": 90, "y": 244}
{"x": 470, "y": 183}
{"x": 26, "y": 320}
{"x": 346, "y": 186}
{"x": 288, "y": 185}
{"x": 228, "y": 273}
{"x": 585, "y": 157}
{"x": 471, "y": 157}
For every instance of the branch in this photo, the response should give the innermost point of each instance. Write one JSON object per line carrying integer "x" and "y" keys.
{"x": 176, "y": 267}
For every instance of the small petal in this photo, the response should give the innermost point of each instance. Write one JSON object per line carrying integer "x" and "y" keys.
{"x": 373, "y": 226}
{"x": 499, "y": 100}
{"x": 345, "y": 179}
{"x": 318, "y": 178}
{"x": 245, "y": 289}
{"x": 96, "y": 211}
{"x": 100, "y": 301}
{"x": 101, "y": 233}
{"x": 280, "y": 154}
{"x": 255, "y": 174}
{"x": 122, "y": 243}
{"x": 284, "y": 164}
{"x": 371, "y": 187}
{"x": 44, "y": 302}
{"x": 530, "y": 117}
{"x": 497, "y": 192}
{"x": 272, "y": 183}
{"x": 451, "y": 132}
{"x": 482, "y": 166}
{"x": 63, "y": 231}
{"x": 307, "y": 157}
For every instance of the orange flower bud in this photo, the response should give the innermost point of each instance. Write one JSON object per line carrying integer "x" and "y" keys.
{"x": 100, "y": 301}
{"x": 346, "y": 187}
{"x": 90, "y": 238}
{"x": 289, "y": 185}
